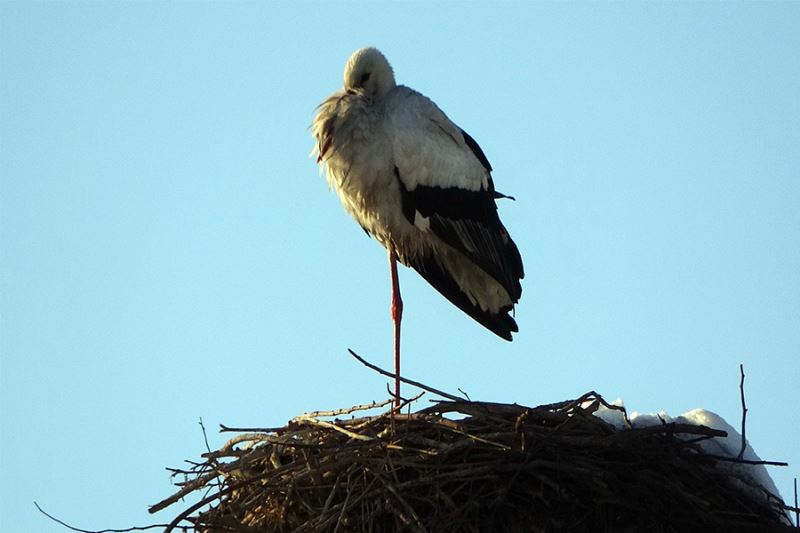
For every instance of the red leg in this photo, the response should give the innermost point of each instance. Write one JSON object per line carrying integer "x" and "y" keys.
{"x": 397, "y": 316}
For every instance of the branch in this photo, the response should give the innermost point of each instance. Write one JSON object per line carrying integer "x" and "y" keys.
{"x": 417, "y": 384}
{"x": 305, "y": 419}
{"x": 205, "y": 437}
{"x": 744, "y": 461}
{"x": 349, "y": 410}
{"x": 225, "y": 429}
{"x": 744, "y": 413}
{"x": 135, "y": 528}
{"x": 336, "y": 412}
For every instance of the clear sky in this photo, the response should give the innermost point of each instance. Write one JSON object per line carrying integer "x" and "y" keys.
{"x": 168, "y": 250}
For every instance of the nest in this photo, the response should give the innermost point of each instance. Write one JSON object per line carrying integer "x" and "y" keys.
{"x": 461, "y": 466}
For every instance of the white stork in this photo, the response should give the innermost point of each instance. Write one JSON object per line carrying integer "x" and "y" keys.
{"x": 422, "y": 187}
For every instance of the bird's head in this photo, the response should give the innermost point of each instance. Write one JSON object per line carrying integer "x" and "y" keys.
{"x": 369, "y": 72}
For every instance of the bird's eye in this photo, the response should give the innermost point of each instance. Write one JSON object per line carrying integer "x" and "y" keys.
{"x": 364, "y": 79}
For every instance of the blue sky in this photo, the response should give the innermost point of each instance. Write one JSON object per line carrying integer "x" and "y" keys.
{"x": 168, "y": 251}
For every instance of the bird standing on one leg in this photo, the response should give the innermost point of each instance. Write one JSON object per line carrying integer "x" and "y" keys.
{"x": 423, "y": 188}
{"x": 397, "y": 318}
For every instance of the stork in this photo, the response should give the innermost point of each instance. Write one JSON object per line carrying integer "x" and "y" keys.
{"x": 422, "y": 187}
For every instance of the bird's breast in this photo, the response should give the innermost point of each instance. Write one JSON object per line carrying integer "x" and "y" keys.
{"x": 360, "y": 167}
{"x": 369, "y": 191}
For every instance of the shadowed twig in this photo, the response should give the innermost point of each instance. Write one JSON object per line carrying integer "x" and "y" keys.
{"x": 72, "y": 528}
{"x": 744, "y": 413}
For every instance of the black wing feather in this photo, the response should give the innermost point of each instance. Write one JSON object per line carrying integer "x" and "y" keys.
{"x": 501, "y": 323}
{"x": 468, "y": 221}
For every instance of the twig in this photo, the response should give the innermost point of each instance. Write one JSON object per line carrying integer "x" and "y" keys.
{"x": 478, "y": 439}
{"x": 407, "y": 381}
{"x": 415, "y": 521}
{"x": 744, "y": 461}
{"x": 224, "y": 429}
{"x": 669, "y": 429}
{"x": 238, "y": 439}
{"x": 195, "y": 484}
{"x": 344, "y": 505}
{"x": 205, "y": 437}
{"x": 796, "y": 509}
{"x": 594, "y": 398}
{"x": 322, "y": 423}
{"x": 393, "y": 396}
{"x": 205, "y": 501}
{"x": 394, "y": 411}
{"x": 135, "y": 528}
{"x": 744, "y": 412}
{"x": 349, "y": 410}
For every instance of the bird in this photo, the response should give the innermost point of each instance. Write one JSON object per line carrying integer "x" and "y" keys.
{"x": 422, "y": 187}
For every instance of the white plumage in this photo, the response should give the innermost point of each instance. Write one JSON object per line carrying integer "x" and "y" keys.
{"x": 422, "y": 187}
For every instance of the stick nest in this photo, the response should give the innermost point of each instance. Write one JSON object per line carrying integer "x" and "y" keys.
{"x": 461, "y": 466}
